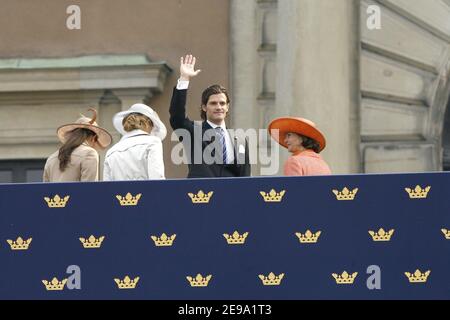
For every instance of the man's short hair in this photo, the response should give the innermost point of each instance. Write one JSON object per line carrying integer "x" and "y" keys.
{"x": 208, "y": 92}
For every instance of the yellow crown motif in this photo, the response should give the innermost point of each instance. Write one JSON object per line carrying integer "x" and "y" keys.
{"x": 418, "y": 276}
{"x": 308, "y": 236}
{"x": 92, "y": 242}
{"x": 127, "y": 283}
{"x": 273, "y": 196}
{"x": 129, "y": 200}
{"x": 345, "y": 194}
{"x": 382, "y": 235}
{"x": 271, "y": 279}
{"x": 164, "y": 240}
{"x": 55, "y": 284}
{"x": 201, "y": 197}
{"x": 345, "y": 278}
{"x": 418, "y": 192}
{"x": 236, "y": 238}
{"x": 19, "y": 244}
{"x": 199, "y": 280}
{"x": 446, "y": 233}
{"x": 57, "y": 201}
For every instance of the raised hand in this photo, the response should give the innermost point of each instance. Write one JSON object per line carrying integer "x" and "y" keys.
{"x": 187, "y": 67}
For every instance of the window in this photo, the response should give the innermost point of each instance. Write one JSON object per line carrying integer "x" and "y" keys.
{"x": 19, "y": 171}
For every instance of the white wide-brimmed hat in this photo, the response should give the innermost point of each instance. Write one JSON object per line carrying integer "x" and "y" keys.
{"x": 159, "y": 129}
{"x": 104, "y": 139}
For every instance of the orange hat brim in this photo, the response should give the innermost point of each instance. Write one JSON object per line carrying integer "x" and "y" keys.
{"x": 297, "y": 125}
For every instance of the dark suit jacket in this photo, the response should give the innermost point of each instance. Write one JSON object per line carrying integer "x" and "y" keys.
{"x": 196, "y": 146}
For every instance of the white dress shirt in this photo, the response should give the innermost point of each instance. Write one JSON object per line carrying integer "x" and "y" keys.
{"x": 183, "y": 85}
{"x": 137, "y": 156}
{"x": 228, "y": 143}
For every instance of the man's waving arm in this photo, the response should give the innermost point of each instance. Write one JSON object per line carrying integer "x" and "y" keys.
{"x": 177, "y": 109}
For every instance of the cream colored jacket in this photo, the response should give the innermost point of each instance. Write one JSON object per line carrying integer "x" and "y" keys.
{"x": 83, "y": 166}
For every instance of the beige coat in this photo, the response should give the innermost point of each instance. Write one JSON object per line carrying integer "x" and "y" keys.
{"x": 83, "y": 166}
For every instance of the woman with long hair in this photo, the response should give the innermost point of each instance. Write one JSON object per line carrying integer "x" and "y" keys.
{"x": 77, "y": 159}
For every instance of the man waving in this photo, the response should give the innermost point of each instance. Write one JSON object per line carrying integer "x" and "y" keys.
{"x": 211, "y": 149}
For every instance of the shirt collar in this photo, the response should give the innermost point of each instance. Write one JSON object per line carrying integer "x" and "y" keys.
{"x": 214, "y": 126}
{"x": 133, "y": 133}
{"x": 307, "y": 153}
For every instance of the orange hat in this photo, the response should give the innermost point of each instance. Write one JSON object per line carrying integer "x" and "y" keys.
{"x": 300, "y": 126}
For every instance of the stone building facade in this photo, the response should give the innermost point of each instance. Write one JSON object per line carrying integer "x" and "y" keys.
{"x": 380, "y": 96}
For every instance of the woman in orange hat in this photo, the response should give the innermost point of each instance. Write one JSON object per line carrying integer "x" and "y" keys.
{"x": 77, "y": 159}
{"x": 304, "y": 141}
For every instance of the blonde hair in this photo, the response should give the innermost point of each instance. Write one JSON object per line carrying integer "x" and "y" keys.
{"x": 136, "y": 121}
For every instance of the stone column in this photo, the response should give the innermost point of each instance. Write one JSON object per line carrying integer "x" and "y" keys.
{"x": 318, "y": 73}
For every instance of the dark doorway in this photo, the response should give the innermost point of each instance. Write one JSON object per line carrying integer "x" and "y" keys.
{"x": 20, "y": 171}
{"x": 446, "y": 139}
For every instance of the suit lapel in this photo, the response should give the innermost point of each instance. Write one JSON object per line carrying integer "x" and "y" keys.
{"x": 208, "y": 134}
{"x": 206, "y": 126}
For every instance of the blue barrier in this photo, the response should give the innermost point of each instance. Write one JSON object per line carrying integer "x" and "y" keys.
{"x": 292, "y": 243}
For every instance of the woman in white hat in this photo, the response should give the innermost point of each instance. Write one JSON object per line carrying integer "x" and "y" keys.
{"x": 77, "y": 159}
{"x": 304, "y": 141}
{"x": 139, "y": 154}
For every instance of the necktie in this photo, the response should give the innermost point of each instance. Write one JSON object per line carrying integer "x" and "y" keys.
{"x": 221, "y": 134}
